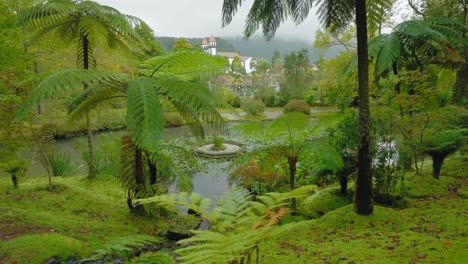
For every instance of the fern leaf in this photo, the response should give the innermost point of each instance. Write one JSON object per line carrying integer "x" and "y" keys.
{"x": 61, "y": 82}
{"x": 145, "y": 118}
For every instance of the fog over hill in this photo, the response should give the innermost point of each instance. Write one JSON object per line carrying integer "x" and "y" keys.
{"x": 256, "y": 47}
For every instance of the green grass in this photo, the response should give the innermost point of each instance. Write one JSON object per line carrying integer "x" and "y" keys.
{"x": 428, "y": 232}
{"x": 77, "y": 214}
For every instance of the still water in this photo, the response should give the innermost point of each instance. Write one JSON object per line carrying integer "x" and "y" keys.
{"x": 211, "y": 183}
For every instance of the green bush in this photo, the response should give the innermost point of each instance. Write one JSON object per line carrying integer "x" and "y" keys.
{"x": 322, "y": 202}
{"x": 218, "y": 143}
{"x": 252, "y": 106}
{"x": 173, "y": 119}
{"x": 161, "y": 257}
{"x": 297, "y": 105}
{"x": 310, "y": 99}
{"x": 58, "y": 164}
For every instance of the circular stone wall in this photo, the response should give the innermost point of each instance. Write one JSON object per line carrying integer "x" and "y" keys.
{"x": 230, "y": 151}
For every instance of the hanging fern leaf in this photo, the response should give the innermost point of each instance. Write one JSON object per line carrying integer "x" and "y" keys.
{"x": 61, "y": 82}
{"x": 145, "y": 119}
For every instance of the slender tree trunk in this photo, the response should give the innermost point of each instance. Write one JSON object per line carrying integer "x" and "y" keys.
{"x": 91, "y": 161}
{"x": 460, "y": 87}
{"x": 437, "y": 162}
{"x": 153, "y": 170}
{"x": 343, "y": 185}
{"x": 363, "y": 195}
{"x": 292, "y": 161}
{"x": 139, "y": 179}
{"x": 14, "y": 180}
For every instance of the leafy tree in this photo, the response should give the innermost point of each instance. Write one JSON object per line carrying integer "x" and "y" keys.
{"x": 324, "y": 39}
{"x": 457, "y": 10}
{"x": 262, "y": 67}
{"x": 288, "y": 144}
{"x": 270, "y": 14}
{"x": 181, "y": 44}
{"x": 298, "y": 73}
{"x": 86, "y": 24}
{"x": 236, "y": 65}
{"x": 441, "y": 145}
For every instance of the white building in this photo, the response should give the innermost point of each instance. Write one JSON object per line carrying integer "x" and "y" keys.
{"x": 209, "y": 46}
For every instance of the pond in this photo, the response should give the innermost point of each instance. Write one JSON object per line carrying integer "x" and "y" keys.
{"x": 211, "y": 183}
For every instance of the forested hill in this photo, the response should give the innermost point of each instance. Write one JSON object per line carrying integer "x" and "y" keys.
{"x": 256, "y": 47}
{"x": 222, "y": 44}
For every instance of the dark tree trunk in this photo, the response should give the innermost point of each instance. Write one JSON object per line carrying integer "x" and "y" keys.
{"x": 437, "y": 162}
{"x": 153, "y": 170}
{"x": 344, "y": 185}
{"x": 363, "y": 195}
{"x": 14, "y": 180}
{"x": 460, "y": 88}
{"x": 92, "y": 162}
{"x": 292, "y": 161}
{"x": 139, "y": 179}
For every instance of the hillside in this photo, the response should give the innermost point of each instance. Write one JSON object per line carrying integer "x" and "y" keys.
{"x": 256, "y": 47}
{"x": 222, "y": 44}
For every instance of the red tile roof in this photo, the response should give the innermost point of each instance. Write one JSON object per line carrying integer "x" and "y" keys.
{"x": 212, "y": 39}
{"x": 204, "y": 42}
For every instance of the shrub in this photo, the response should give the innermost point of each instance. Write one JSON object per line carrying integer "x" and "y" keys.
{"x": 297, "y": 105}
{"x": 323, "y": 202}
{"x": 161, "y": 257}
{"x": 58, "y": 164}
{"x": 310, "y": 99}
{"x": 173, "y": 119}
{"x": 218, "y": 143}
{"x": 252, "y": 106}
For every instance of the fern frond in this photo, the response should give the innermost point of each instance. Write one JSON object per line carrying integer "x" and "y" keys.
{"x": 144, "y": 119}
{"x": 193, "y": 100}
{"x": 185, "y": 63}
{"x": 61, "y": 82}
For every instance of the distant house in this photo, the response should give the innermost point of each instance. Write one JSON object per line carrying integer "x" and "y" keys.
{"x": 209, "y": 46}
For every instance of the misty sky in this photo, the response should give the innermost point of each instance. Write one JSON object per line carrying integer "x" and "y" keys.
{"x": 201, "y": 18}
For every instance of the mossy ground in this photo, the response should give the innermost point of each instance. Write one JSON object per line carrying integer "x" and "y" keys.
{"x": 80, "y": 216}
{"x": 76, "y": 218}
{"x": 432, "y": 229}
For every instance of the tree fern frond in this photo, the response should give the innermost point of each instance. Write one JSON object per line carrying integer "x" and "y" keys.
{"x": 61, "y": 82}
{"x": 193, "y": 100}
{"x": 145, "y": 118}
{"x": 389, "y": 53}
{"x": 184, "y": 63}
{"x": 86, "y": 102}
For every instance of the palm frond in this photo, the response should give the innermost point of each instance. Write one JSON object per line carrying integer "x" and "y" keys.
{"x": 144, "y": 119}
{"x": 61, "y": 82}
{"x": 336, "y": 15}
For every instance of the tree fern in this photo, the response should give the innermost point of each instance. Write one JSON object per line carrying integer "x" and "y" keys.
{"x": 238, "y": 224}
{"x": 59, "y": 83}
{"x": 145, "y": 119}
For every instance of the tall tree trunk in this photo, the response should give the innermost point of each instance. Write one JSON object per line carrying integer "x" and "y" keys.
{"x": 91, "y": 158}
{"x": 363, "y": 196}
{"x": 460, "y": 87}
{"x": 292, "y": 161}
